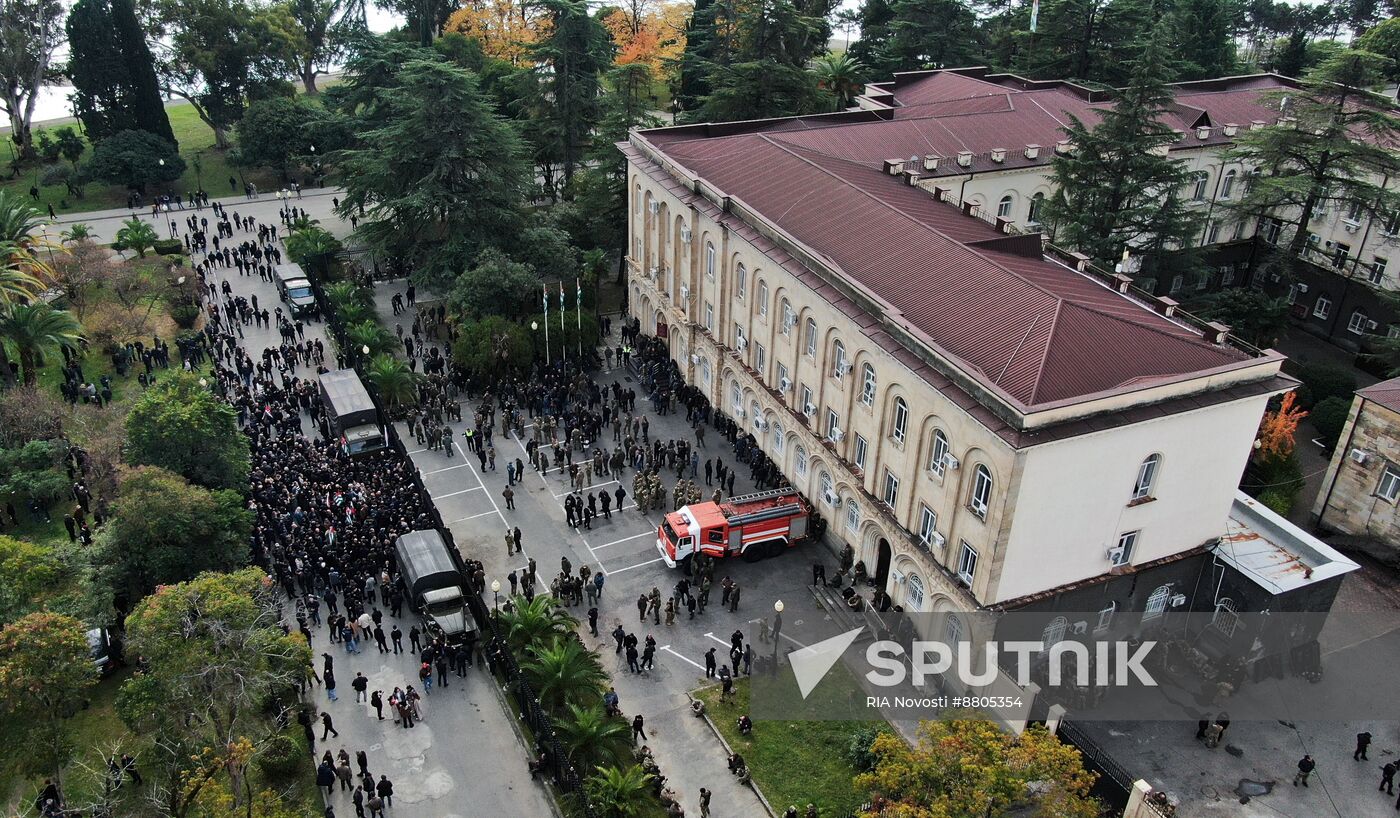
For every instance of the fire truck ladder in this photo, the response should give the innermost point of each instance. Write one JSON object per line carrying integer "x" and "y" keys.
{"x": 765, "y": 514}
{"x": 759, "y": 495}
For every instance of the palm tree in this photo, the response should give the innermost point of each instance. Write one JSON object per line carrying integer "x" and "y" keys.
{"x": 354, "y": 313}
{"x": 563, "y": 672}
{"x": 34, "y": 329}
{"x": 591, "y": 737}
{"x": 137, "y": 235}
{"x": 17, "y": 280}
{"x": 619, "y": 792}
{"x": 313, "y": 247}
{"x": 536, "y": 621}
{"x": 397, "y": 384}
{"x": 368, "y": 334}
{"x": 77, "y": 232}
{"x": 839, "y": 75}
{"x": 20, "y": 222}
{"x": 344, "y": 293}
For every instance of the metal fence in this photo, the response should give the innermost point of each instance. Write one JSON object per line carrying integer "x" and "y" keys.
{"x": 1096, "y": 755}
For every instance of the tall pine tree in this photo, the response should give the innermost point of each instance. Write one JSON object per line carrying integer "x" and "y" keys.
{"x": 1118, "y": 188}
{"x": 769, "y": 44}
{"x": 577, "y": 49}
{"x": 112, "y": 71}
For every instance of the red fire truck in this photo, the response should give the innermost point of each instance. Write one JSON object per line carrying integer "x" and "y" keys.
{"x": 752, "y": 526}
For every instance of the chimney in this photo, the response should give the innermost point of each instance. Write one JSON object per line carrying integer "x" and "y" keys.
{"x": 1064, "y": 147}
{"x": 940, "y": 194}
{"x": 1081, "y": 261}
{"x": 998, "y": 155}
{"x": 1203, "y": 133}
{"x": 1180, "y": 135}
{"x": 1231, "y": 129}
{"x": 1032, "y": 151}
{"x": 930, "y": 162}
{"x": 894, "y": 166}
{"x": 965, "y": 158}
{"x": 968, "y": 207}
{"x": 1256, "y": 124}
{"x": 1216, "y": 332}
{"x": 1167, "y": 305}
{"x": 1004, "y": 225}
{"x": 911, "y": 177}
{"x": 1122, "y": 282}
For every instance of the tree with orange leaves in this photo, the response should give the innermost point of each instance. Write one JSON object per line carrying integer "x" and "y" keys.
{"x": 1277, "y": 431}
{"x": 648, "y": 33}
{"x": 1274, "y": 475}
{"x": 507, "y": 29}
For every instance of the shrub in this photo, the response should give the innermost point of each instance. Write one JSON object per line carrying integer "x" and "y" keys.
{"x": 1322, "y": 381}
{"x": 185, "y": 315}
{"x": 169, "y": 247}
{"x": 1329, "y": 416}
{"x": 280, "y": 758}
{"x": 858, "y": 751}
{"x": 1279, "y": 500}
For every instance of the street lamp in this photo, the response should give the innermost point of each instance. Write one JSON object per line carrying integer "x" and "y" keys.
{"x": 778, "y": 606}
{"x": 777, "y": 625}
{"x": 496, "y": 593}
{"x": 535, "y": 337}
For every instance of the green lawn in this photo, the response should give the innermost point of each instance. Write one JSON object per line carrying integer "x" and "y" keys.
{"x": 794, "y": 763}
{"x": 196, "y": 141}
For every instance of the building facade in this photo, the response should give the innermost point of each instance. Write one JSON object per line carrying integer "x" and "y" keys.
{"x": 987, "y": 425}
{"x": 1359, "y": 502}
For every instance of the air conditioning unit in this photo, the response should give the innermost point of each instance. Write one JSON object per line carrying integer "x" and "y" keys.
{"x": 1116, "y": 554}
{"x": 829, "y": 497}
{"x": 843, "y": 368}
{"x": 743, "y": 343}
{"x": 738, "y": 412}
{"x": 653, "y": 208}
{"x": 685, "y": 293}
{"x": 1352, "y": 228}
{"x": 897, "y": 577}
{"x": 654, "y": 270}
{"x": 809, "y": 410}
{"x": 1302, "y": 288}
{"x": 1178, "y": 600}
{"x": 685, "y": 234}
{"x": 836, "y": 435}
{"x": 1359, "y": 456}
{"x": 760, "y": 424}
{"x": 784, "y": 384}
{"x": 950, "y": 461}
{"x": 939, "y": 540}
{"x": 695, "y": 359}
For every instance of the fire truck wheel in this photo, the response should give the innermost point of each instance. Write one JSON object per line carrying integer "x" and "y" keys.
{"x": 755, "y": 552}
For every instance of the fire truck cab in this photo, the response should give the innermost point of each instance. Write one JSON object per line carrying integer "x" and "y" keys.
{"x": 753, "y": 526}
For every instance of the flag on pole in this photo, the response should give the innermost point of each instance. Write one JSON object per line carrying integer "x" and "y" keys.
{"x": 561, "y": 305}
{"x": 1035, "y": 14}
{"x": 578, "y": 282}
{"x": 546, "y": 300}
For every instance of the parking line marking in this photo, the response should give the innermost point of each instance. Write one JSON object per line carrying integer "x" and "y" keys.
{"x": 630, "y": 567}
{"x": 667, "y": 648}
{"x": 717, "y": 639}
{"x": 449, "y": 468}
{"x": 625, "y": 539}
{"x": 586, "y": 488}
{"x": 463, "y": 491}
{"x": 473, "y": 517}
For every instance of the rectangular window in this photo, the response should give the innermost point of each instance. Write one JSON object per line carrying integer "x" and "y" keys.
{"x": 890, "y": 492}
{"x": 739, "y": 340}
{"x": 1323, "y": 308}
{"x": 709, "y": 316}
{"x": 807, "y": 406}
{"x": 928, "y": 524}
{"x": 1390, "y": 485}
{"x": 1126, "y": 543}
{"x": 710, "y": 260}
{"x": 1340, "y": 253}
{"x": 1227, "y": 275}
{"x": 833, "y": 423}
{"x": 938, "y": 455}
{"x": 901, "y": 421}
{"x": 967, "y": 563}
{"x": 1357, "y": 323}
{"x": 1212, "y": 233}
{"x": 1377, "y": 274}
{"x": 811, "y": 340}
{"x": 784, "y": 383}
{"x": 861, "y": 449}
{"x": 760, "y": 359}
{"x": 763, "y": 299}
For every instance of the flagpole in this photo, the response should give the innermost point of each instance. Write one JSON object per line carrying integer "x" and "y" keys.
{"x": 563, "y": 340}
{"x": 546, "y": 323}
{"x": 578, "y": 283}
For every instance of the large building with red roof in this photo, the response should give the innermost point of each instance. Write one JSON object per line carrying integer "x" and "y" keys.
{"x": 987, "y": 421}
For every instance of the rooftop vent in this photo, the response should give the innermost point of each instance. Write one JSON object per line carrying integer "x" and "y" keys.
{"x": 1203, "y": 132}
{"x": 911, "y": 177}
{"x": 1231, "y": 129}
{"x": 940, "y": 194}
{"x": 1032, "y": 151}
{"x": 1216, "y": 332}
{"x": 1064, "y": 147}
{"x": 998, "y": 155}
{"x": 1256, "y": 124}
{"x": 930, "y": 162}
{"x": 965, "y": 158}
{"x": 1122, "y": 282}
{"x": 1167, "y": 305}
{"x": 894, "y": 167}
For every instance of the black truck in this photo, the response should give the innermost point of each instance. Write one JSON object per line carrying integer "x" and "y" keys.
{"x": 351, "y": 415}
{"x": 435, "y": 581}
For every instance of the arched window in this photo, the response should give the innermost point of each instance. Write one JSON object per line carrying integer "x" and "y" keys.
{"x": 938, "y": 453}
{"x": 1227, "y": 185}
{"x": 981, "y": 491}
{"x": 710, "y": 259}
{"x": 1146, "y": 476}
{"x": 756, "y": 414}
{"x": 1157, "y": 602}
{"x": 838, "y": 359}
{"x": 810, "y": 341}
{"x": 952, "y": 629}
{"x": 778, "y": 441}
{"x": 705, "y": 370}
{"x": 1004, "y": 207}
{"x": 901, "y": 420}
{"x": 763, "y": 298}
{"x": 789, "y": 317}
{"x": 828, "y": 488}
{"x": 1054, "y": 632}
{"x": 852, "y": 516}
{"x": 741, "y": 281}
{"x": 1037, "y": 202}
{"x": 914, "y": 593}
{"x": 799, "y": 461}
{"x": 867, "y": 385}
